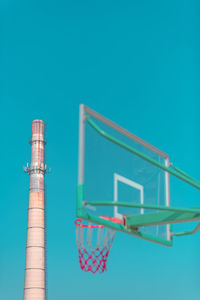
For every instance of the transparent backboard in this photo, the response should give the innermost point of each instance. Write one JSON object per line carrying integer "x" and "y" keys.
{"x": 110, "y": 173}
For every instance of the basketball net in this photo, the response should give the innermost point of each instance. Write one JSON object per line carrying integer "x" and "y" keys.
{"x": 94, "y": 243}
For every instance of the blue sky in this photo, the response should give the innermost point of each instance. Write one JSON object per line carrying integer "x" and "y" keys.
{"x": 137, "y": 63}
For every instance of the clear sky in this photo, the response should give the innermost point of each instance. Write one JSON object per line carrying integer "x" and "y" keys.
{"x": 137, "y": 63}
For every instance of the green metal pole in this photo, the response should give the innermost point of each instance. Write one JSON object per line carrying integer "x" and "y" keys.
{"x": 145, "y": 206}
{"x": 161, "y": 218}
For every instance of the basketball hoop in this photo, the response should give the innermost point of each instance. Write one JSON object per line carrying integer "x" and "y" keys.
{"x": 94, "y": 243}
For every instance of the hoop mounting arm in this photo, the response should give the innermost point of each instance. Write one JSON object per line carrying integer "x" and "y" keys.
{"x": 160, "y": 218}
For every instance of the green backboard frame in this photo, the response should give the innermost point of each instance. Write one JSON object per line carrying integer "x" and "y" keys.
{"x": 131, "y": 224}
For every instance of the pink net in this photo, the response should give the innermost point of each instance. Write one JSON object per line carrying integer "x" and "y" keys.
{"x": 94, "y": 243}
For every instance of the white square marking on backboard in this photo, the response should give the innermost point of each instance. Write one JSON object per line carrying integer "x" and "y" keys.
{"x": 131, "y": 183}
